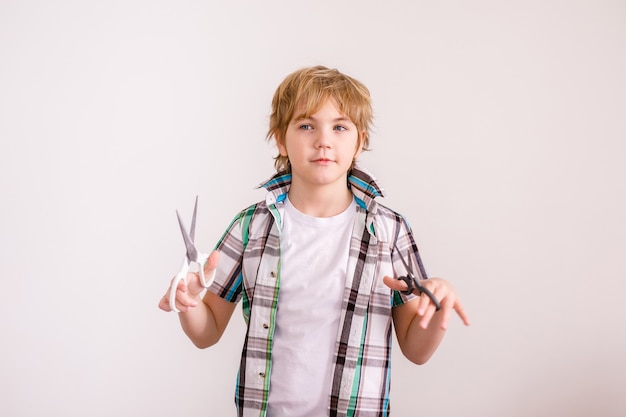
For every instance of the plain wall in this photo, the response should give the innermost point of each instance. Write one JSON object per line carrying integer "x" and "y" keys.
{"x": 500, "y": 133}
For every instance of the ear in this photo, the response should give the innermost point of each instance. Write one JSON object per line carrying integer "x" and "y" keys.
{"x": 280, "y": 144}
{"x": 360, "y": 143}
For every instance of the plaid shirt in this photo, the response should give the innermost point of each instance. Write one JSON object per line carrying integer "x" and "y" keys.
{"x": 249, "y": 270}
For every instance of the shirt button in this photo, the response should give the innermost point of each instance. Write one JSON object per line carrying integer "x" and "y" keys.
{"x": 266, "y": 326}
{"x": 262, "y": 374}
{"x": 273, "y": 274}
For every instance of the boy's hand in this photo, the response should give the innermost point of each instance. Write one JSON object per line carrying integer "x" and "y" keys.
{"x": 187, "y": 293}
{"x": 443, "y": 291}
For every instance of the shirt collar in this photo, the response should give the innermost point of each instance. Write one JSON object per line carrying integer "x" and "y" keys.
{"x": 362, "y": 184}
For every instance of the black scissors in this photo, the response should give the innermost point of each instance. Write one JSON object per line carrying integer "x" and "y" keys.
{"x": 414, "y": 284}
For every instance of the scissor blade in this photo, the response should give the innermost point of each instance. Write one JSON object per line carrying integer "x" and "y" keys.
{"x": 192, "y": 231}
{"x": 192, "y": 253}
{"x": 408, "y": 269}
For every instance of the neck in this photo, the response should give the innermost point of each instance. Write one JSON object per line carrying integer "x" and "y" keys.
{"x": 320, "y": 201}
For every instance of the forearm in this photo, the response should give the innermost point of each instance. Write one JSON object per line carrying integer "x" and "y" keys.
{"x": 418, "y": 344}
{"x": 199, "y": 325}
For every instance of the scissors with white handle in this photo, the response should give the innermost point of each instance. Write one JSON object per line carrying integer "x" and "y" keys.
{"x": 194, "y": 261}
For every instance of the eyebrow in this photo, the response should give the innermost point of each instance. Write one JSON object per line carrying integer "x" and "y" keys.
{"x": 338, "y": 119}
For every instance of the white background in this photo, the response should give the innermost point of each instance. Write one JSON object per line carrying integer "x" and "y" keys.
{"x": 500, "y": 133}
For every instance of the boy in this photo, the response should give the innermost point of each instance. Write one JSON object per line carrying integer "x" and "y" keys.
{"x": 314, "y": 266}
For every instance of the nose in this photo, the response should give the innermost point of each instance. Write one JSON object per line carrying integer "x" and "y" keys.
{"x": 323, "y": 139}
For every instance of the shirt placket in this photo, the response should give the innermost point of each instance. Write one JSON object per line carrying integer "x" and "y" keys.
{"x": 263, "y": 316}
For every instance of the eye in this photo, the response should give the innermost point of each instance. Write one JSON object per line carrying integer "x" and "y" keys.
{"x": 340, "y": 128}
{"x": 305, "y": 126}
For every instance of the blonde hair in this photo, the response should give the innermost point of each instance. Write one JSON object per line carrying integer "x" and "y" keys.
{"x": 310, "y": 88}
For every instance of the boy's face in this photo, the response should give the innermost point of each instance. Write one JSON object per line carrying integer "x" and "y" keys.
{"x": 322, "y": 147}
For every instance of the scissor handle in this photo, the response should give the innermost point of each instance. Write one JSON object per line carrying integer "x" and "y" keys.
{"x": 413, "y": 284}
{"x": 194, "y": 266}
{"x": 199, "y": 265}
{"x": 423, "y": 290}
{"x": 408, "y": 280}
{"x": 181, "y": 276}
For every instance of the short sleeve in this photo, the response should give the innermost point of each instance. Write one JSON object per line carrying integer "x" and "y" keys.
{"x": 404, "y": 247}
{"x": 228, "y": 283}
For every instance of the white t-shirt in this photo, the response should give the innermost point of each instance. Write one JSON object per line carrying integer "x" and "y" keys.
{"x": 314, "y": 258}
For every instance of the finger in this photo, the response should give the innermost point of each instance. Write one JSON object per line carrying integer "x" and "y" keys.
{"x": 395, "y": 284}
{"x": 437, "y": 292}
{"x": 460, "y": 311}
{"x": 184, "y": 301}
{"x": 182, "y": 284}
{"x": 428, "y": 314}
{"x": 427, "y": 308}
{"x": 183, "y": 297}
{"x": 191, "y": 284}
{"x": 164, "y": 303}
{"x": 423, "y": 305}
{"x": 445, "y": 311}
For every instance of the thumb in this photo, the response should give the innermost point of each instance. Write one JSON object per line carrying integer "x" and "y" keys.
{"x": 211, "y": 262}
{"x": 395, "y": 284}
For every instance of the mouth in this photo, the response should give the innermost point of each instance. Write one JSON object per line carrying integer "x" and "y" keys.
{"x": 322, "y": 160}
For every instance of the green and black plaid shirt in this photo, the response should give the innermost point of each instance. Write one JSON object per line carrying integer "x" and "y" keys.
{"x": 362, "y": 358}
